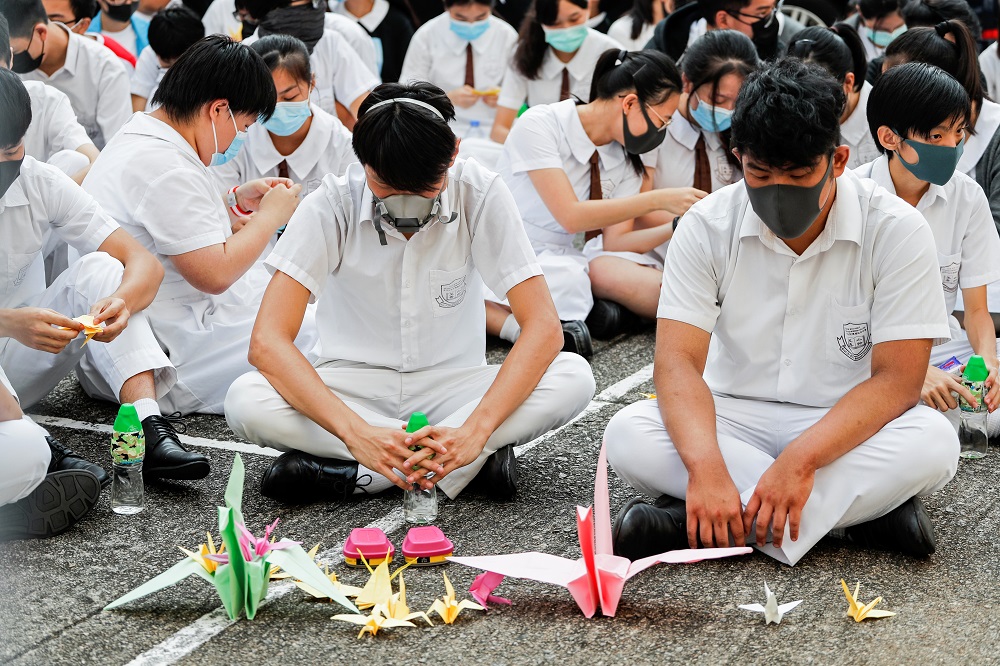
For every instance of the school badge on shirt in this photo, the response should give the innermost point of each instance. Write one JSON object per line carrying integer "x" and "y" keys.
{"x": 949, "y": 277}
{"x": 856, "y": 341}
{"x": 452, "y": 294}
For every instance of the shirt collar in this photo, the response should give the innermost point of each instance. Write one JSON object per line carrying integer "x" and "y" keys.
{"x": 580, "y": 67}
{"x": 72, "y": 50}
{"x": 304, "y": 159}
{"x": 580, "y": 145}
{"x": 855, "y": 128}
{"x": 15, "y": 195}
{"x": 881, "y": 175}
{"x": 682, "y": 131}
{"x": 366, "y": 210}
{"x": 457, "y": 45}
{"x": 145, "y": 125}
{"x": 372, "y": 19}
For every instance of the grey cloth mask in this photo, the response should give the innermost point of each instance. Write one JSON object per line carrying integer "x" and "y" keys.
{"x": 789, "y": 210}
{"x": 408, "y": 213}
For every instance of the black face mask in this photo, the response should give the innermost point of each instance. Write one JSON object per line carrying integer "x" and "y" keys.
{"x": 765, "y": 38}
{"x": 23, "y": 62}
{"x": 9, "y": 171}
{"x": 249, "y": 27}
{"x": 637, "y": 144}
{"x": 121, "y": 12}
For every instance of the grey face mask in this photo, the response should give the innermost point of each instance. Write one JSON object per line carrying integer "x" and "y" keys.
{"x": 408, "y": 213}
{"x": 789, "y": 210}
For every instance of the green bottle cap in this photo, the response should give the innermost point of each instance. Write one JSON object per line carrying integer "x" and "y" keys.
{"x": 417, "y": 421}
{"x": 976, "y": 370}
{"x": 128, "y": 419}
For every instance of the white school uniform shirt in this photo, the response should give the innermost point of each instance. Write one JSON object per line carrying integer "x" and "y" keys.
{"x": 854, "y": 132}
{"x": 437, "y": 55}
{"x": 958, "y": 213}
{"x": 411, "y": 304}
{"x": 218, "y": 19}
{"x": 43, "y": 199}
{"x": 356, "y": 36}
{"x": 621, "y": 32}
{"x": 326, "y": 149}
{"x": 799, "y": 329}
{"x": 53, "y": 123}
{"x": 147, "y": 76}
{"x": 674, "y": 159}
{"x": 976, "y": 144}
{"x": 551, "y": 136}
{"x": 989, "y": 65}
{"x": 517, "y": 89}
{"x": 340, "y": 74}
{"x": 96, "y": 83}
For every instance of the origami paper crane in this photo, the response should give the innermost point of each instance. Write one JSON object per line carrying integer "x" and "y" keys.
{"x": 397, "y": 609}
{"x": 372, "y": 624}
{"x": 860, "y": 611}
{"x": 596, "y": 580}
{"x": 347, "y": 590}
{"x": 447, "y": 607}
{"x": 90, "y": 329}
{"x": 241, "y": 573}
{"x": 378, "y": 590}
{"x": 771, "y": 610}
{"x": 482, "y": 589}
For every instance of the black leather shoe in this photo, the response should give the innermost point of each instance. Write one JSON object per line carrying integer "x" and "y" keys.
{"x": 64, "y": 459}
{"x": 498, "y": 477}
{"x": 301, "y": 478}
{"x": 641, "y": 530}
{"x": 906, "y": 529}
{"x": 166, "y": 457}
{"x": 58, "y": 503}
{"x": 576, "y": 338}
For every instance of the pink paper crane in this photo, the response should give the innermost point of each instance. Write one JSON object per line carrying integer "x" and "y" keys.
{"x": 596, "y": 580}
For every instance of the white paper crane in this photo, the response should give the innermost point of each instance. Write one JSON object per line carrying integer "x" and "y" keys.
{"x": 771, "y": 610}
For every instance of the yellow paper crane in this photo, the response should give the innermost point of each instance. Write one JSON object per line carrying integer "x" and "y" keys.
{"x": 204, "y": 550}
{"x": 378, "y": 590}
{"x": 347, "y": 590}
{"x": 278, "y": 574}
{"x": 372, "y": 624}
{"x": 447, "y": 608}
{"x": 397, "y": 609}
{"x": 90, "y": 329}
{"x": 859, "y": 611}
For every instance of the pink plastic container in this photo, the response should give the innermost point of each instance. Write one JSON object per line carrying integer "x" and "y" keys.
{"x": 427, "y": 546}
{"x": 370, "y": 542}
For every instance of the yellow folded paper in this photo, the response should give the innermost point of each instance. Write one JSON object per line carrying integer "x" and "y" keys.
{"x": 491, "y": 91}
{"x": 90, "y": 329}
{"x": 860, "y": 611}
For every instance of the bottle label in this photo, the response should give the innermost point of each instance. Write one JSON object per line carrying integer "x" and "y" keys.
{"x": 127, "y": 448}
{"x": 976, "y": 389}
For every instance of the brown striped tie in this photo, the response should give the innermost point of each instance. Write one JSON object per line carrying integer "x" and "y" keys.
{"x": 470, "y": 74}
{"x": 596, "y": 193}
{"x": 702, "y": 169}
{"x": 564, "y": 88}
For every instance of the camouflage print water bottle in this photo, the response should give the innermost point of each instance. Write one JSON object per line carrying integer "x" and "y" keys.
{"x": 128, "y": 447}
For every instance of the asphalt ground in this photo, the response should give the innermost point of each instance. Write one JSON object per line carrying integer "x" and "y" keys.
{"x": 52, "y": 592}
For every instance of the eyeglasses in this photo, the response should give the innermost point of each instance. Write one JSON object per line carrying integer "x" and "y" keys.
{"x": 243, "y": 17}
{"x": 661, "y": 119}
{"x": 767, "y": 18}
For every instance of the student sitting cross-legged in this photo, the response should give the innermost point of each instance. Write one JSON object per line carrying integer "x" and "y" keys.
{"x": 796, "y": 320}
{"x": 395, "y": 253}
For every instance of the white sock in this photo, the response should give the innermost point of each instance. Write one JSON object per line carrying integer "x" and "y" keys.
{"x": 837, "y": 533}
{"x": 146, "y": 407}
{"x": 370, "y": 482}
{"x": 511, "y": 330}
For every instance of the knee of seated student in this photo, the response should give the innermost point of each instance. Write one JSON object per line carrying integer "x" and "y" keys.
{"x": 573, "y": 381}
{"x": 97, "y": 274}
{"x": 627, "y": 430}
{"x": 23, "y": 449}
{"x": 602, "y": 273}
{"x": 938, "y": 445}
{"x": 249, "y": 413}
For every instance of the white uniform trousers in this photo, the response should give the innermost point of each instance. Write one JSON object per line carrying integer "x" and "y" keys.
{"x": 24, "y": 458}
{"x": 386, "y": 398}
{"x": 34, "y": 373}
{"x": 916, "y": 454}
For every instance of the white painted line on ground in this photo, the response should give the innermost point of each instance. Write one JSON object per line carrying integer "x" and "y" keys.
{"x": 211, "y": 624}
{"x": 241, "y": 447}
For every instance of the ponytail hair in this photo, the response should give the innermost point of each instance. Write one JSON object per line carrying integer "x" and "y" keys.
{"x": 837, "y": 49}
{"x": 641, "y": 15}
{"x": 651, "y": 75}
{"x": 531, "y": 38}
{"x": 928, "y": 13}
{"x": 931, "y": 45}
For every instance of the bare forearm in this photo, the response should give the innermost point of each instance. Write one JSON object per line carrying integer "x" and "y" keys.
{"x": 688, "y": 411}
{"x": 9, "y": 409}
{"x": 592, "y": 215}
{"x": 982, "y": 335}
{"x": 638, "y": 240}
{"x": 140, "y": 282}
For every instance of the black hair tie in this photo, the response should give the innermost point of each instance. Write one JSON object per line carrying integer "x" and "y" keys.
{"x": 943, "y": 28}
{"x": 621, "y": 56}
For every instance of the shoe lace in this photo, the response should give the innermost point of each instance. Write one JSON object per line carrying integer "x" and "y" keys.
{"x": 176, "y": 420}
{"x": 361, "y": 486}
{"x": 59, "y": 449}
{"x": 167, "y": 426}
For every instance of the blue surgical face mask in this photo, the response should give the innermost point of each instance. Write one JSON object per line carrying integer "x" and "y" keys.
{"x": 935, "y": 164}
{"x": 882, "y": 38}
{"x": 469, "y": 31}
{"x": 711, "y": 118}
{"x": 567, "y": 40}
{"x": 233, "y": 150}
{"x": 288, "y": 118}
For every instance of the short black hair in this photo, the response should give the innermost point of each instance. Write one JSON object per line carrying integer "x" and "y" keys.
{"x": 876, "y": 9}
{"x": 709, "y": 8}
{"x": 23, "y": 15}
{"x": 928, "y": 13}
{"x": 407, "y": 146}
{"x": 285, "y": 52}
{"x": 837, "y": 49}
{"x": 15, "y": 109}
{"x": 217, "y": 68}
{"x": 173, "y": 30}
{"x": 913, "y": 99}
{"x": 259, "y": 9}
{"x": 4, "y": 41}
{"x": 788, "y": 114}
{"x": 958, "y": 56}
{"x": 83, "y": 8}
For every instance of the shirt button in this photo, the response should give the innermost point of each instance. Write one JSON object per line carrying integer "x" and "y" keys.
{"x": 788, "y": 361}
{"x": 406, "y": 284}
{"x": 793, "y": 312}
{"x": 406, "y": 323}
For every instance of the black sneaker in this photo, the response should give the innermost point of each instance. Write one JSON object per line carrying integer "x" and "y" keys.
{"x": 576, "y": 338}
{"x": 498, "y": 477}
{"x": 166, "y": 457}
{"x": 301, "y": 478}
{"x": 58, "y": 503}
{"x": 64, "y": 459}
{"x": 641, "y": 529}
{"x": 906, "y": 529}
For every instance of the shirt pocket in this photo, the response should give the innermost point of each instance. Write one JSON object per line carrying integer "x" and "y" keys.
{"x": 448, "y": 289}
{"x": 849, "y": 337}
{"x": 950, "y": 265}
{"x": 16, "y": 271}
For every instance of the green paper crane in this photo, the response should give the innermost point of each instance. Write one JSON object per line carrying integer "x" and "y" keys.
{"x": 240, "y": 575}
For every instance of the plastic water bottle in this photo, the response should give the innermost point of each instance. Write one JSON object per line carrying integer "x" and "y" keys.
{"x": 128, "y": 447}
{"x": 419, "y": 505}
{"x": 474, "y": 131}
{"x": 972, "y": 429}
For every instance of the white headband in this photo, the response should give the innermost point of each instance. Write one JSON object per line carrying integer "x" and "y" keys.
{"x": 408, "y": 100}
